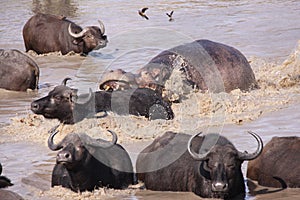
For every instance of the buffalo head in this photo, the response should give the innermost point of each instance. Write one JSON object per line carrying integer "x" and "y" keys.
{"x": 221, "y": 166}
{"x": 75, "y": 148}
{"x": 61, "y": 102}
{"x": 92, "y": 37}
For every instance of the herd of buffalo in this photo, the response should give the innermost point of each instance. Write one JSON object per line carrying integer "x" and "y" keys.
{"x": 208, "y": 165}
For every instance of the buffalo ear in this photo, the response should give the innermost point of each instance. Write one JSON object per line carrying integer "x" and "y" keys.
{"x": 204, "y": 170}
{"x": 74, "y": 91}
{"x": 77, "y": 41}
{"x": 73, "y": 95}
{"x": 205, "y": 165}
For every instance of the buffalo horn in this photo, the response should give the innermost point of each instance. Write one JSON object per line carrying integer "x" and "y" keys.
{"x": 77, "y": 35}
{"x": 84, "y": 100}
{"x": 102, "y": 28}
{"x": 251, "y": 156}
{"x": 195, "y": 155}
{"x": 64, "y": 82}
{"x": 100, "y": 142}
{"x": 51, "y": 145}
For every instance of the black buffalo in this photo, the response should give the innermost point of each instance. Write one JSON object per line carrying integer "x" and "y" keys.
{"x": 63, "y": 103}
{"x": 84, "y": 163}
{"x": 44, "y": 33}
{"x": 203, "y": 64}
{"x": 278, "y": 164}
{"x": 171, "y": 163}
{"x": 18, "y": 71}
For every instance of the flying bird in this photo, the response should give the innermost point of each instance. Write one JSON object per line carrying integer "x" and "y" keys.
{"x": 170, "y": 15}
{"x": 142, "y": 13}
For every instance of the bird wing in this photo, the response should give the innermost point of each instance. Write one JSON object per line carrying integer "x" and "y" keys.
{"x": 144, "y": 9}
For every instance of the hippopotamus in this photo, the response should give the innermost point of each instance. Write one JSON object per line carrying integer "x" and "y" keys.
{"x": 117, "y": 80}
{"x": 18, "y": 71}
{"x": 203, "y": 64}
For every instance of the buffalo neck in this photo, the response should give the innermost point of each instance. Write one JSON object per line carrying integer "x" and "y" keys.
{"x": 103, "y": 101}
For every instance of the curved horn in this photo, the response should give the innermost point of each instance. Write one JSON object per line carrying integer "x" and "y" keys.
{"x": 251, "y": 156}
{"x": 51, "y": 145}
{"x": 85, "y": 99}
{"x": 77, "y": 35}
{"x": 100, "y": 142}
{"x": 192, "y": 152}
{"x": 64, "y": 82}
{"x": 102, "y": 27}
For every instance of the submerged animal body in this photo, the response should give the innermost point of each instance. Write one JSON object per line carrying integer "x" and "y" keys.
{"x": 63, "y": 103}
{"x": 278, "y": 164}
{"x": 44, "y": 33}
{"x": 171, "y": 163}
{"x": 18, "y": 71}
{"x": 204, "y": 64}
{"x": 84, "y": 163}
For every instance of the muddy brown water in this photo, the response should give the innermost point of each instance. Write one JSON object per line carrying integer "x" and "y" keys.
{"x": 267, "y": 32}
{"x": 29, "y": 165}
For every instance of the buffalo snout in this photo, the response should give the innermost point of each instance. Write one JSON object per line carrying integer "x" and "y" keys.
{"x": 219, "y": 187}
{"x": 35, "y": 107}
{"x": 101, "y": 43}
{"x": 64, "y": 157}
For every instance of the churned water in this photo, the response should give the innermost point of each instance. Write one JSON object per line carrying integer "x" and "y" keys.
{"x": 265, "y": 31}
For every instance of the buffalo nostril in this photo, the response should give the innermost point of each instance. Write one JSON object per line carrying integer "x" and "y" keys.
{"x": 34, "y": 106}
{"x": 67, "y": 155}
{"x": 220, "y": 187}
{"x": 63, "y": 157}
{"x": 225, "y": 187}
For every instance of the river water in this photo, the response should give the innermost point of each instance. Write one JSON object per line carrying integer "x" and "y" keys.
{"x": 265, "y": 30}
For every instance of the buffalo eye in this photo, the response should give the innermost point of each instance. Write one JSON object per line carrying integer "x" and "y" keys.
{"x": 231, "y": 166}
{"x": 57, "y": 98}
{"x": 79, "y": 148}
{"x": 210, "y": 164}
{"x": 67, "y": 98}
{"x": 90, "y": 36}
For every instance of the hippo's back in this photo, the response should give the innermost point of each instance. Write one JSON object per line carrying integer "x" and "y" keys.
{"x": 207, "y": 65}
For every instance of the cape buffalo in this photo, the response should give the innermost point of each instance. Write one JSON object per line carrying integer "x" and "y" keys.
{"x": 278, "y": 164}
{"x": 84, "y": 163}
{"x": 171, "y": 163}
{"x": 63, "y": 103}
{"x": 44, "y": 33}
{"x": 18, "y": 71}
{"x": 204, "y": 64}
